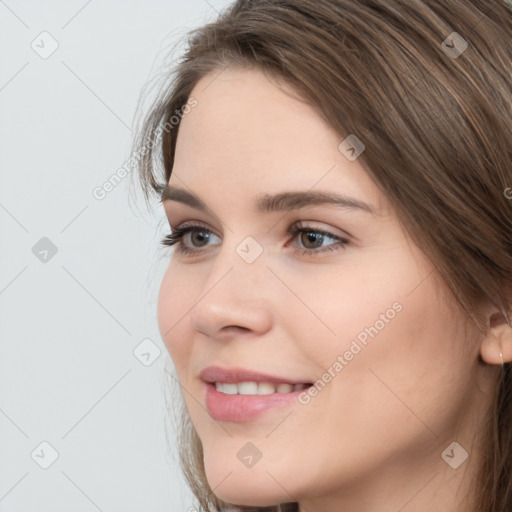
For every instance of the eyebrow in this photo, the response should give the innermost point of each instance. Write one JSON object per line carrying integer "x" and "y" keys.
{"x": 284, "y": 201}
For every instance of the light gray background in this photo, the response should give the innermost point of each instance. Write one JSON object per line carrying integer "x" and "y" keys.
{"x": 69, "y": 325}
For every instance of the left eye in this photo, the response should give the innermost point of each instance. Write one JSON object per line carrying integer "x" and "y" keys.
{"x": 311, "y": 240}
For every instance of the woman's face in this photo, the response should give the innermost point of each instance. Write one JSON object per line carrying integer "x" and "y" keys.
{"x": 358, "y": 311}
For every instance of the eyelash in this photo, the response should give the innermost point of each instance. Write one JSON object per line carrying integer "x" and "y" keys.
{"x": 177, "y": 235}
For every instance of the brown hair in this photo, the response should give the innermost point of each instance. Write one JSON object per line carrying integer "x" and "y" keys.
{"x": 437, "y": 128}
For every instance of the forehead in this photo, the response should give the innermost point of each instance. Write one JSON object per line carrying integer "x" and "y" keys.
{"x": 249, "y": 133}
{"x": 241, "y": 112}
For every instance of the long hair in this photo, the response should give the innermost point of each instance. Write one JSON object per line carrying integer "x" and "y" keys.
{"x": 426, "y": 86}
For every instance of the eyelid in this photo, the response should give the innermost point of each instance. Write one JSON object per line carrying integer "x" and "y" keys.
{"x": 194, "y": 224}
{"x": 328, "y": 230}
{"x": 299, "y": 223}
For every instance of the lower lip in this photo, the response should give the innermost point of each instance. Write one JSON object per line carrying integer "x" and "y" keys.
{"x": 242, "y": 408}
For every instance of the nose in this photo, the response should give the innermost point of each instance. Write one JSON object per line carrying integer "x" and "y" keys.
{"x": 235, "y": 301}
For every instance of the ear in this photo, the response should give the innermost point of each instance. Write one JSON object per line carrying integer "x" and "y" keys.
{"x": 498, "y": 339}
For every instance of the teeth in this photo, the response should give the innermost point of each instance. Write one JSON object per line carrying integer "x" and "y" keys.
{"x": 229, "y": 389}
{"x": 257, "y": 388}
{"x": 247, "y": 388}
{"x": 284, "y": 388}
{"x": 265, "y": 388}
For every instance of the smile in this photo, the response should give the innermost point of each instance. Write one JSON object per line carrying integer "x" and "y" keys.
{"x": 257, "y": 388}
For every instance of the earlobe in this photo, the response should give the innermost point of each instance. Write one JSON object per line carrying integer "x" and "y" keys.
{"x": 496, "y": 347}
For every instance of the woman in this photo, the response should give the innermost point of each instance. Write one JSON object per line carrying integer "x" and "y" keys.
{"x": 336, "y": 175}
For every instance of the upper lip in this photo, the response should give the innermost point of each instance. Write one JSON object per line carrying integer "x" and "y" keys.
{"x": 234, "y": 375}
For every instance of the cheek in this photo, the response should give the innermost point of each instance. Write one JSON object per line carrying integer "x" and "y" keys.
{"x": 387, "y": 334}
{"x": 175, "y": 298}
{"x": 356, "y": 300}
{"x": 408, "y": 368}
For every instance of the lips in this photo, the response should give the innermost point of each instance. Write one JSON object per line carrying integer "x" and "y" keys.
{"x": 240, "y": 395}
{"x": 214, "y": 374}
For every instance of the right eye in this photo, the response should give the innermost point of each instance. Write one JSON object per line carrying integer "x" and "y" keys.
{"x": 195, "y": 235}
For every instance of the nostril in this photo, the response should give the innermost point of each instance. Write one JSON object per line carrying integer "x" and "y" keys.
{"x": 235, "y": 327}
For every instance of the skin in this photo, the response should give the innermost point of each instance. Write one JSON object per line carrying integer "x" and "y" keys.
{"x": 372, "y": 439}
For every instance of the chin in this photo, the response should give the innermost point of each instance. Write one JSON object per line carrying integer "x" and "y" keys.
{"x": 245, "y": 487}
